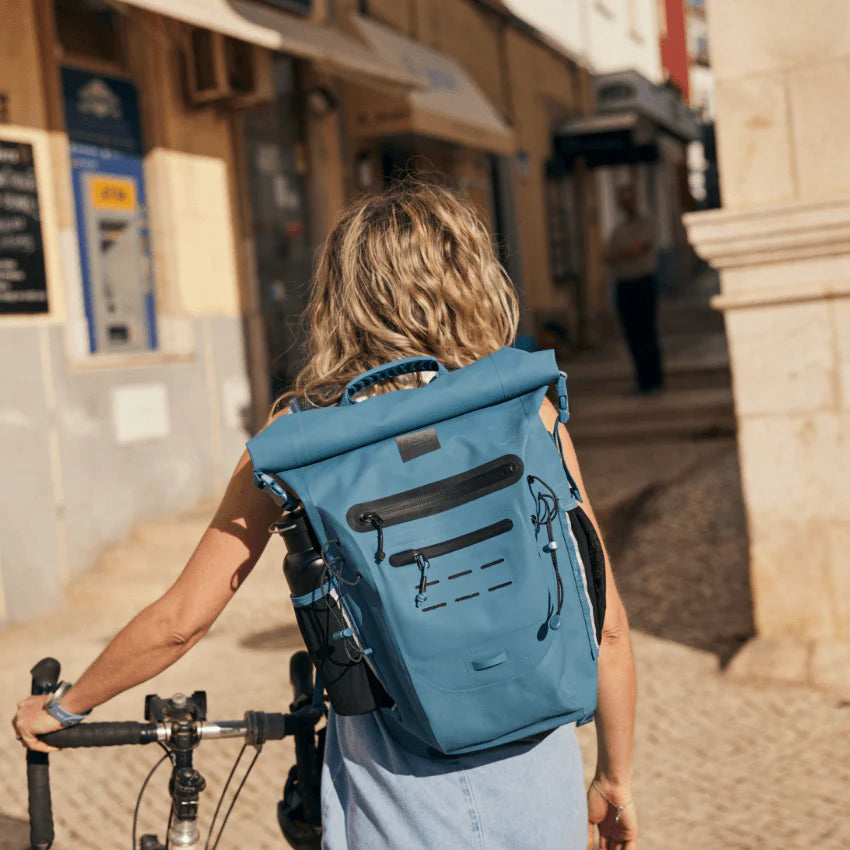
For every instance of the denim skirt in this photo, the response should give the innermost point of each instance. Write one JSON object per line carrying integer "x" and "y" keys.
{"x": 377, "y": 795}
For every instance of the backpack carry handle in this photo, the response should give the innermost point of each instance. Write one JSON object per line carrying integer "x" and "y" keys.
{"x": 407, "y": 366}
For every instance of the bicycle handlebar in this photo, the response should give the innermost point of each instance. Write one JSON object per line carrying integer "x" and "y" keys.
{"x": 103, "y": 735}
{"x": 257, "y": 727}
{"x": 301, "y": 679}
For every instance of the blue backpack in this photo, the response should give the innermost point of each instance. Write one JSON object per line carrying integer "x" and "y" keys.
{"x": 464, "y": 571}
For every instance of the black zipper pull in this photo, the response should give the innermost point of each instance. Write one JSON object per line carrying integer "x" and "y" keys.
{"x": 378, "y": 525}
{"x": 423, "y": 563}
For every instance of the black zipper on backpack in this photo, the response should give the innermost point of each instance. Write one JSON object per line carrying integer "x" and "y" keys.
{"x": 437, "y": 496}
{"x": 409, "y": 556}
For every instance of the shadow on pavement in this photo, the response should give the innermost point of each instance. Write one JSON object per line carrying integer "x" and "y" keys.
{"x": 286, "y": 636}
{"x": 682, "y": 568}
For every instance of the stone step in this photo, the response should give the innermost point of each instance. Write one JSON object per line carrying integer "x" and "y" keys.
{"x": 621, "y": 382}
{"x": 676, "y": 414}
{"x": 703, "y": 362}
{"x": 664, "y": 405}
{"x": 643, "y": 432}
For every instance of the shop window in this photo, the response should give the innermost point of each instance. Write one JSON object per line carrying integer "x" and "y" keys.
{"x": 204, "y": 62}
{"x": 220, "y": 68}
{"x": 277, "y": 170}
{"x": 566, "y": 248}
{"x": 240, "y": 62}
{"x": 88, "y": 29}
{"x": 398, "y": 14}
{"x": 303, "y": 6}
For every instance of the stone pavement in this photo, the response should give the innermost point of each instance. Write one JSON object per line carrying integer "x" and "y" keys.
{"x": 719, "y": 764}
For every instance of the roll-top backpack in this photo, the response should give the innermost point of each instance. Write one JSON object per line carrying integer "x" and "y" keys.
{"x": 460, "y": 565}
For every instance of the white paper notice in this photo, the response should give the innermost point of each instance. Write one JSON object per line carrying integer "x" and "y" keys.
{"x": 140, "y": 412}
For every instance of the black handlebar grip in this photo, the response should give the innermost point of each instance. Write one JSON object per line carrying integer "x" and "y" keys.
{"x": 301, "y": 677}
{"x": 301, "y": 723}
{"x": 45, "y": 675}
{"x": 102, "y": 735}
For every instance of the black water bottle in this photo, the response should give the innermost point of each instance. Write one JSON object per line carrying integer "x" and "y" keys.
{"x": 350, "y": 682}
{"x": 303, "y": 566}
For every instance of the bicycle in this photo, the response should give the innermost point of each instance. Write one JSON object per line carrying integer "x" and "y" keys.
{"x": 178, "y": 725}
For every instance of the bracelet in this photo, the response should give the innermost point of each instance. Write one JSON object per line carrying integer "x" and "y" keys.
{"x": 610, "y": 803}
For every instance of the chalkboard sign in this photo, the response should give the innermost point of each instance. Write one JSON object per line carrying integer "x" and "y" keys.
{"x": 23, "y": 285}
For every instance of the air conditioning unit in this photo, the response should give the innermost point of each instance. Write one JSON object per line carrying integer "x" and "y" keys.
{"x": 225, "y": 70}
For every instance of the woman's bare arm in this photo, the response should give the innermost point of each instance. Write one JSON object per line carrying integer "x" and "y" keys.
{"x": 615, "y": 712}
{"x": 165, "y": 630}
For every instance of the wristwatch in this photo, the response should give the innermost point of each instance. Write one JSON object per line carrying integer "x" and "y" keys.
{"x": 52, "y": 705}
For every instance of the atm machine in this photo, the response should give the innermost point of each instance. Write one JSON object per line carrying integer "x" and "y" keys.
{"x": 118, "y": 263}
{"x": 107, "y": 170}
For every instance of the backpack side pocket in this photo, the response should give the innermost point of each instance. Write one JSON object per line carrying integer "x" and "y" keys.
{"x": 592, "y": 557}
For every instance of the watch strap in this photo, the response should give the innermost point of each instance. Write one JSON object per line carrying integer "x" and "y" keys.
{"x": 54, "y": 707}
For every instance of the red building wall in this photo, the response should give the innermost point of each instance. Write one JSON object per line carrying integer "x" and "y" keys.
{"x": 674, "y": 45}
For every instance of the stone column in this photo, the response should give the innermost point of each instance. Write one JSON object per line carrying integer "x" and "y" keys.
{"x": 782, "y": 246}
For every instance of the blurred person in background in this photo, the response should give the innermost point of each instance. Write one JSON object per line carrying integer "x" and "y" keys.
{"x": 632, "y": 258}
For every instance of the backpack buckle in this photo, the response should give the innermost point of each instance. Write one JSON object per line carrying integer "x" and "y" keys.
{"x": 263, "y": 481}
{"x": 563, "y": 401}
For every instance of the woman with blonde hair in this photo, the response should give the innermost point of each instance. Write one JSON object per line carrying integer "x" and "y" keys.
{"x": 408, "y": 272}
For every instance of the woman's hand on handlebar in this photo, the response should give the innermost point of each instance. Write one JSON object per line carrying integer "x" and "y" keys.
{"x": 31, "y": 720}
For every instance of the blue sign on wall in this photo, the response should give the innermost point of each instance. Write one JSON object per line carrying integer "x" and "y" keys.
{"x": 101, "y": 111}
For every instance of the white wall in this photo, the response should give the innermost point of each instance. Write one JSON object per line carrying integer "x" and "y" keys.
{"x": 609, "y": 35}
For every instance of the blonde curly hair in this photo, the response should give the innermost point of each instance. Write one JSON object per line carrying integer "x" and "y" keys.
{"x": 410, "y": 271}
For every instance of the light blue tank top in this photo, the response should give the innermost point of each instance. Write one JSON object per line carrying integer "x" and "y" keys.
{"x": 377, "y": 795}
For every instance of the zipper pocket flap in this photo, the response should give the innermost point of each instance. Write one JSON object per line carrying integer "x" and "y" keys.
{"x": 438, "y": 496}
{"x": 434, "y": 550}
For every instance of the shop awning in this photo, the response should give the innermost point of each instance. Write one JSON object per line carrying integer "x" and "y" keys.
{"x": 447, "y": 105}
{"x": 613, "y": 138}
{"x": 628, "y": 91}
{"x": 637, "y": 121}
{"x": 278, "y": 31}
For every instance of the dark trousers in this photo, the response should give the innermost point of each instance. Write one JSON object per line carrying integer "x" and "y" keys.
{"x": 637, "y": 304}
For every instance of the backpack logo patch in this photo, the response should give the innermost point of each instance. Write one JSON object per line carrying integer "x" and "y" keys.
{"x": 416, "y": 444}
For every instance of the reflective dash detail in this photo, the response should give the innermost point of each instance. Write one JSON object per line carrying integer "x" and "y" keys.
{"x": 468, "y": 596}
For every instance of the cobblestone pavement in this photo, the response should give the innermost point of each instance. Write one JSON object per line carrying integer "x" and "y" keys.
{"x": 681, "y": 559}
{"x": 720, "y": 765}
